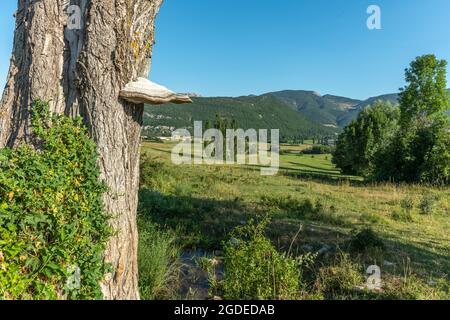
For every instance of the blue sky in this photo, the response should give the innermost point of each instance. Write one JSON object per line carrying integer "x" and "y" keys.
{"x": 240, "y": 47}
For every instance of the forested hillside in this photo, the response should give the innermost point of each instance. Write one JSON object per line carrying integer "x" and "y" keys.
{"x": 258, "y": 112}
{"x": 298, "y": 114}
{"x": 353, "y": 113}
{"x": 314, "y": 106}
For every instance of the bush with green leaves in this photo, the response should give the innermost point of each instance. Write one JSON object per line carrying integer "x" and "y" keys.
{"x": 366, "y": 240}
{"x": 340, "y": 280}
{"x": 358, "y": 145}
{"x": 52, "y": 218}
{"x": 427, "y": 204}
{"x": 318, "y": 149}
{"x": 255, "y": 270}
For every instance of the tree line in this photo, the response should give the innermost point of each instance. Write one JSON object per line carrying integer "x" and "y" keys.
{"x": 405, "y": 143}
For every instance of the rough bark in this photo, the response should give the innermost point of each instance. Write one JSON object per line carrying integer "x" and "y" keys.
{"x": 81, "y": 72}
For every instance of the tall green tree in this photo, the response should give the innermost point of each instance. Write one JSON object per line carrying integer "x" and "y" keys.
{"x": 358, "y": 145}
{"x": 412, "y": 145}
{"x": 222, "y": 124}
{"x": 419, "y": 151}
{"x": 424, "y": 100}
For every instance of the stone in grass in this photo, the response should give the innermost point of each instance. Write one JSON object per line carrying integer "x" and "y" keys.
{"x": 324, "y": 249}
{"x": 388, "y": 263}
{"x": 234, "y": 242}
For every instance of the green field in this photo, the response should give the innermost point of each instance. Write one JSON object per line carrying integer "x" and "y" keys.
{"x": 312, "y": 209}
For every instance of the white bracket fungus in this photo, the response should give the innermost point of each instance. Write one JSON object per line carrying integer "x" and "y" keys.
{"x": 144, "y": 91}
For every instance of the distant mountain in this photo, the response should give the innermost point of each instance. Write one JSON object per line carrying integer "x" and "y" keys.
{"x": 258, "y": 112}
{"x": 352, "y": 113}
{"x": 392, "y": 98}
{"x": 343, "y": 102}
{"x": 297, "y": 113}
{"x": 193, "y": 94}
{"x": 311, "y": 104}
{"x": 328, "y": 110}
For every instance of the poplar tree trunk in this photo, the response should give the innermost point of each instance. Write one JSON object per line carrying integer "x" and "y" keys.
{"x": 80, "y": 72}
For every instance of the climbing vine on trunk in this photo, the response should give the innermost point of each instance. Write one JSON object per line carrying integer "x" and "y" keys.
{"x": 80, "y": 72}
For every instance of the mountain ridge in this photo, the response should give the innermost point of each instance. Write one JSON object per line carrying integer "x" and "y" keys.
{"x": 297, "y": 113}
{"x": 256, "y": 112}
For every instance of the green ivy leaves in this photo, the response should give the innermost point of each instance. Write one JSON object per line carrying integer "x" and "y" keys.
{"x": 51, "y": 212}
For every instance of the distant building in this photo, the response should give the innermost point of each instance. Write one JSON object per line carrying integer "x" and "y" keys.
{"x": 179, "y": 137}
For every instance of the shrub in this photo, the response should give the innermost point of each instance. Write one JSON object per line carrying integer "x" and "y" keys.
{"x": 404, "y": 211}
{"x": 366, "y": 240}
{"x": 303, "y": 209}
{"x": 52, "y": 221}
{"x": 290, "y": 205}
{"x": 210, "y": 267}
{"x": 407, "y": 204}
{"x": 414, "y": 288}
{"x": 158, "y": 262}
{"x": 341, "y": 280}
{"x": 428, "y": 204}
{"x": 400, "y": 214}
{"x": 255, "y": 270}
{"x": 319, "y": 149}
{"x": 153, "y": 173}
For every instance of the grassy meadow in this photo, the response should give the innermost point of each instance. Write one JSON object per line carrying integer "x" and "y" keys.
{"x": 314, "y": 212}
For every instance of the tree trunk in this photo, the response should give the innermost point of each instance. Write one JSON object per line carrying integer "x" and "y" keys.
{"x": 80, "y": 72}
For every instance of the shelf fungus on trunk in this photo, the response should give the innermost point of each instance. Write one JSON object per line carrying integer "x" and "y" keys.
{"x": 147, "y": 92}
